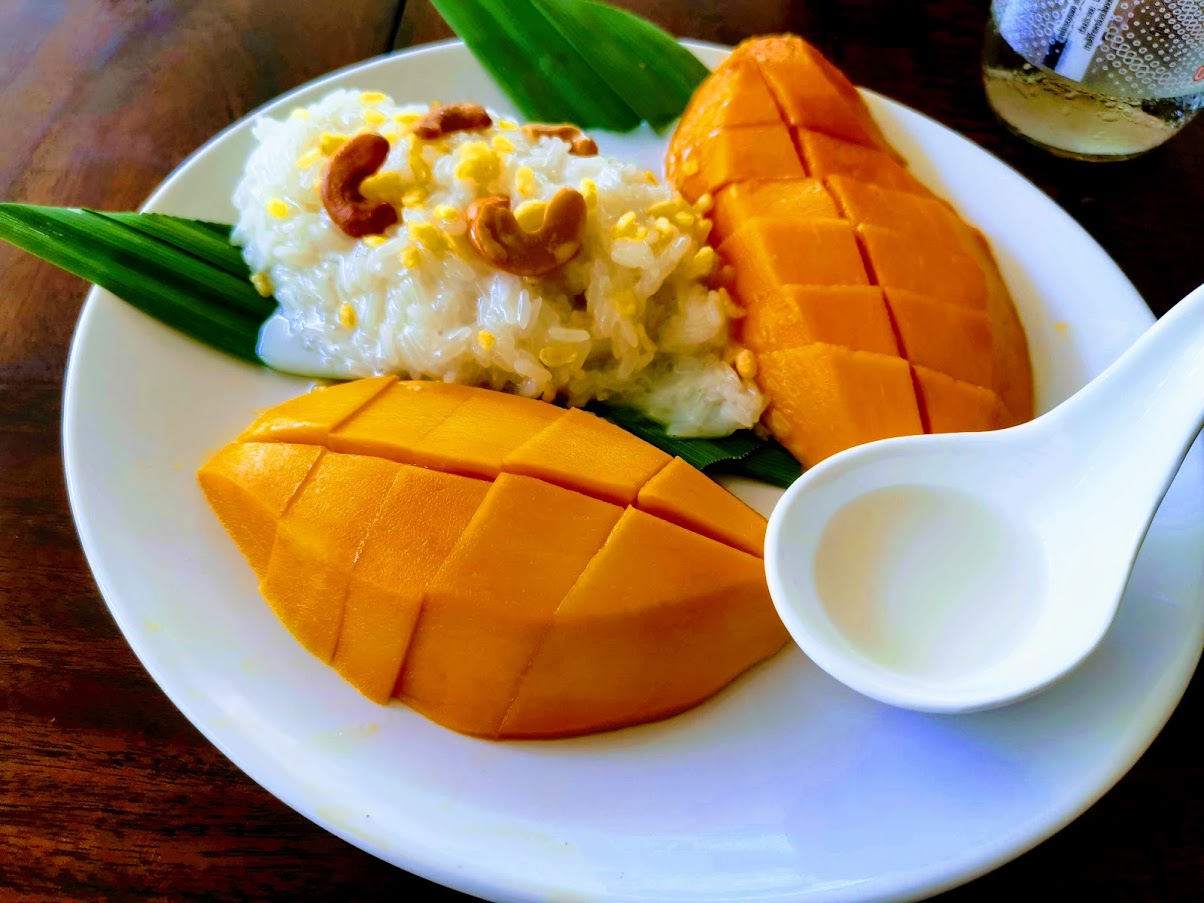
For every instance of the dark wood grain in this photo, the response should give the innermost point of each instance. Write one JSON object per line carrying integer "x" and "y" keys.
{"x": 99, "y": 101}
{"x": 105, "y": 789}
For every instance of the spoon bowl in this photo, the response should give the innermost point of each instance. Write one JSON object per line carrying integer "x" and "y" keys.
{"x": 959, "y": 572}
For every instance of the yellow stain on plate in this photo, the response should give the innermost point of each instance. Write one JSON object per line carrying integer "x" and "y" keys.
{"x": 342, "y": 739}
{"x": 356, "y": 824}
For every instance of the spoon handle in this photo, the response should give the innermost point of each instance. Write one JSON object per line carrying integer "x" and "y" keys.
{"x": 1140, "y": 416}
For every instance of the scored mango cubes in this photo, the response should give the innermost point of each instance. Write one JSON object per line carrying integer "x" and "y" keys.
{"x": 501, "y": 565}
{"x": 873, "y": 309}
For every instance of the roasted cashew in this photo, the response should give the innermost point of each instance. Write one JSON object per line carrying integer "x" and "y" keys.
{"x": 458, "y": 117}
{"x": 498, "y": 237}
{"x": 580, "y": 144}
{"x": 348, "y": 208}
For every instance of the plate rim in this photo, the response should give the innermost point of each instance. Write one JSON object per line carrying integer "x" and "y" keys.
{"x": 490, "y": 881}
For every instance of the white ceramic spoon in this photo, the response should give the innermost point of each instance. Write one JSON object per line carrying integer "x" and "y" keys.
{"x": 952, "y": 573}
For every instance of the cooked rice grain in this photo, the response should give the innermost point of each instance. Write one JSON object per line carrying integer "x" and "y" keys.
{"x": 630, "y": 319}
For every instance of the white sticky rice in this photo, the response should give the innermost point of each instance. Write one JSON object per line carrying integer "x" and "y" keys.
{"x": 631, "y": 319}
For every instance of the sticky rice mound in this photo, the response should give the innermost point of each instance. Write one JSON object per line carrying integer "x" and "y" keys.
{"x": 634, "y": 318}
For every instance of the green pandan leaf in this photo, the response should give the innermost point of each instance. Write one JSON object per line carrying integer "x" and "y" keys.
{"x": 743, "y": 452}
{"x": 186, "y": 274}
{"x": 652, "y": 72}
{"x": 533, "y": 62}
{"x": 173, "y": 281}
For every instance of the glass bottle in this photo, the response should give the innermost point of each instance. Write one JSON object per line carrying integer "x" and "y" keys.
{"x": 1095, "y": 79}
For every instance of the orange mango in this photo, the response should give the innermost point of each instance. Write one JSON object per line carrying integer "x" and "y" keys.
{"x": 810, "y": 91}
{"x": 768, "y": 252}
{"x": 429, "y": 425}
{"x": 860, "y": 218}
{"x": 394, "y": 422}
{"x": 924, "y": 217}
{"x": 479, "y": 434}
{"x": 737, "y": 155}
{"x": 918, "y": 264}
{"x": 740, "y": 98}
{"x": 417, "y": 526}
{"x": 309, "y": 419}
{"x": 951, "y": 405}
{"x": 1013, "y": 370}
{"x": 741, "y": 201}
{"x": 486, "y": 611}
{"x": 825, "y": 156}
{"x": 590, "y": 455}
{"x": 683, "y": 495}
{"x": 437, "y": 577}
{"x": 317, "y": 541}
{"x": 824, "y": 399}
{"x": 924, "y": 326}
{"x": 1011, "y": 366}
{"x": 664, "y": 612}
{"x": 249, "y": 484}
{"x": 854, "y": 316}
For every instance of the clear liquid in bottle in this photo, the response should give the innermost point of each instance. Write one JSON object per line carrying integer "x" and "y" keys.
{"x": 1117, "y": 106}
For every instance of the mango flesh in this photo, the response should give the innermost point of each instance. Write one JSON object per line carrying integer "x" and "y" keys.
{"x": 765, "y": 254}
{"x": 487, "y": 609}
{"x": 741, "y": 154}
{"x": 250, "y": 484}
{"x": 675, "y": 495}
{"x": 872, "y": 308}
{"x": 418, "y": 524}
{"x": 810, "y": 91}
{"x": 851, "y": 316}
{"x": 829, "y": 157}
{"x": 741, "y": 201}
{"x": 589, "y": 455}
{"x": 873, "y": 392}
{"x": 740, "y": 99}
{"x": 317, "y": 542}
{"x": 503, "y": 566}
{"x": 667, "y": 615}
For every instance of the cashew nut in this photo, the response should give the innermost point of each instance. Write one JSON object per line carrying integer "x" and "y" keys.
{"x": 458, "y": 117}
{"x": 580, "y": 144}
{"x": 348, "y": 208}
{"x": 498, "y": 237}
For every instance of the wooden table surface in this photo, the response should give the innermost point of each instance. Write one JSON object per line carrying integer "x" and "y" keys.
{"x": 105, "y": 789}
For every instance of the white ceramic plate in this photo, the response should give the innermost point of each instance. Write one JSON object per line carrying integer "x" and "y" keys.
{"x": 786, "y": 785}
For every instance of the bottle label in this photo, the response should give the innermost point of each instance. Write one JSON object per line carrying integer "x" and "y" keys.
{"x": 1074, "y": 43}
{"x": 1122, "y": 47}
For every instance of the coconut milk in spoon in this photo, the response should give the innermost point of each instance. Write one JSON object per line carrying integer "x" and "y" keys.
{"x": 963, "y": 571}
